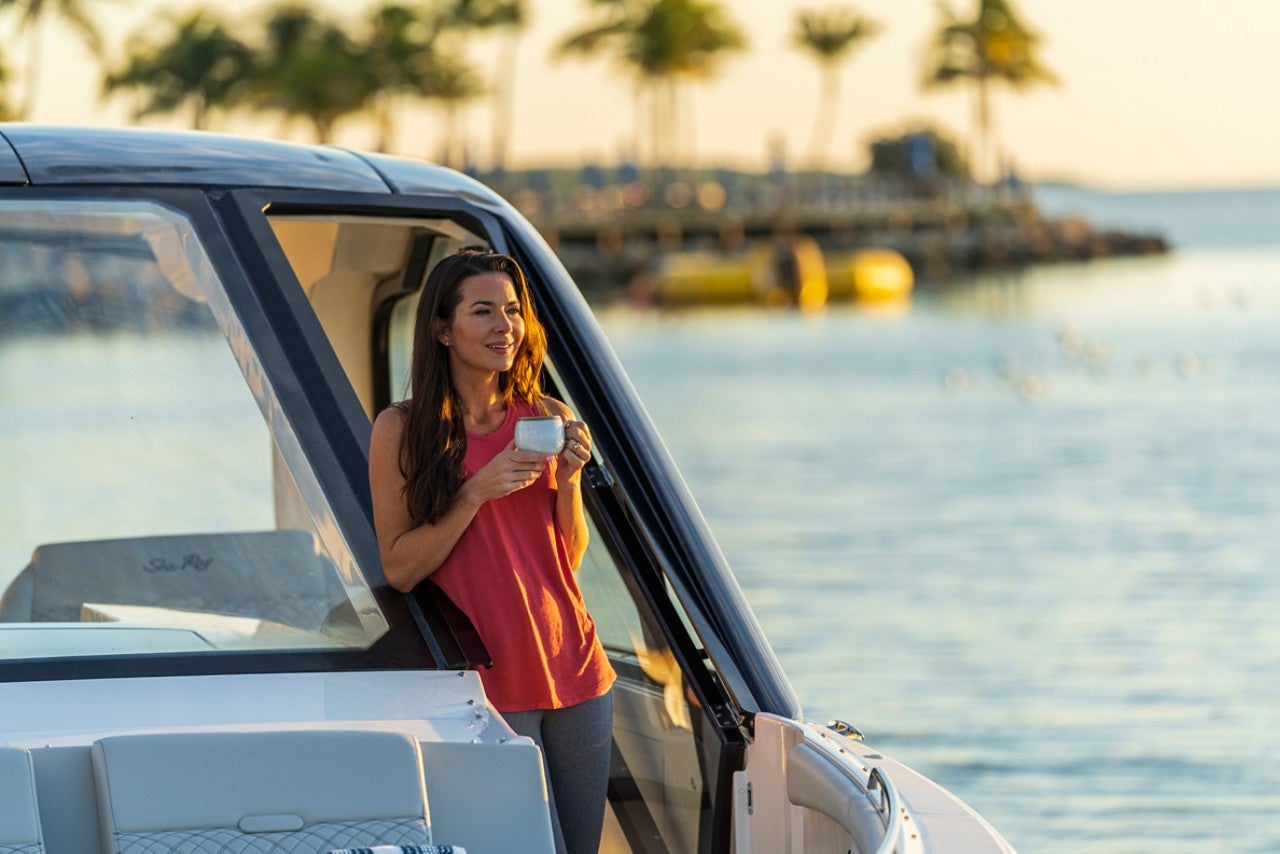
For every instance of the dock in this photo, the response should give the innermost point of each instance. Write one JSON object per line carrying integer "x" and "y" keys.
{"x": 609, "y": 232}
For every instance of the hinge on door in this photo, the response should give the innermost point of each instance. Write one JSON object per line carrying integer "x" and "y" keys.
{"x": 751, "y": 808}
{"x": 726, "y": 715}
{"x": 598, "y": 476}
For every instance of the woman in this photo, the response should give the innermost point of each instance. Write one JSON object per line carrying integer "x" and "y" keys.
{"x": 500, "y": 530}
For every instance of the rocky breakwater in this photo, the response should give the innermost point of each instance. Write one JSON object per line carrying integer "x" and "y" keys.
{"x": 608, "y": 241}
{"x": 1002, "y": 237}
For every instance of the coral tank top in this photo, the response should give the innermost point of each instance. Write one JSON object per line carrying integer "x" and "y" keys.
{"x": 510, "y": 573}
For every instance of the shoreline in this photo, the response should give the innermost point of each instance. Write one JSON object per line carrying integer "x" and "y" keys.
{"x": 613, "y": 234}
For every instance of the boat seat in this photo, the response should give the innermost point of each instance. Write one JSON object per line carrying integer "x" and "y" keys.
{"x": 19, "y": 815}
{"x": 281, "y": 791}
{"x": 280, "y": 576}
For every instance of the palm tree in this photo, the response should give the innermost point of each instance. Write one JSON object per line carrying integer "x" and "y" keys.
{"x": 509, "y": 17}
{"x": 994, "y": 47}
{"x": 662, "y": 44}
{"x": 6, "y": 111}
{"x": 830, "y": 36}
{"x": 31, "y": 14}
{"x": 399, "y": 51}
{"x": 198, "y": 65}
{"x": 309, "y": 68}
{"x": 452, "y": 83}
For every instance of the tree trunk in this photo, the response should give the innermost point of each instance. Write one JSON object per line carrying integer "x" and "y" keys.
{"x": 504, "y": 101}
{"x": 382, "y": 110}
{"x": 824, "y": 123}
{"x": 30, "y": 83}
{"x": 671, "y": 134}
{"x": 637, "y": 129}
{"x": 689, "y": 124}
{"x": 655, "y": 128}
{"x": 449, "y": 144}
{"x": 982, "y": 156}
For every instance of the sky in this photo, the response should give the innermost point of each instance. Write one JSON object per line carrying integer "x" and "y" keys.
{"x": 1153, "y": 94}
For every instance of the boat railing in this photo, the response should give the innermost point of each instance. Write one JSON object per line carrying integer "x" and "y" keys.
{"x": 888, "y": 808}
{"x": 820, "y": 748}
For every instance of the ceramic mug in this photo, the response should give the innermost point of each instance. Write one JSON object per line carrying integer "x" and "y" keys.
{"x": 543, "y": 434}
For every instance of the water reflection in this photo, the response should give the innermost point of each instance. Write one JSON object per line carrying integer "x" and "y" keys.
{"x": 1034, "y": 513}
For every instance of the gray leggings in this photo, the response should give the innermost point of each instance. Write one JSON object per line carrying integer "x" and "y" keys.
{"x": 575, "y": 743}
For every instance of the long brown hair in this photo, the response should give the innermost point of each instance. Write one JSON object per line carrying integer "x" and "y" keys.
{"x": 434, "y": 442}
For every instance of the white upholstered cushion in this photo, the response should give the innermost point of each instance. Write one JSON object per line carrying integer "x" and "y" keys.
{"x": 19, "y": 816}
{"x": 295, "y": 790}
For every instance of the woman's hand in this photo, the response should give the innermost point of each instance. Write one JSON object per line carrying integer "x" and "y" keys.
{"x": 571, "y": 519}
{"x": 511, "y": 470}
{"x": 576, "y": 452}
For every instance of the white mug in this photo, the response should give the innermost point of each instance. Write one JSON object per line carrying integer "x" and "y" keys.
{"x": 543, "y": 434}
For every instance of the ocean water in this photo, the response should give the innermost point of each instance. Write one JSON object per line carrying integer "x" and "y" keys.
{"x": 1024, "y": 533}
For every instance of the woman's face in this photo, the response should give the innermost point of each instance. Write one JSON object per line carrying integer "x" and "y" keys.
{"x": 487, "y": 326}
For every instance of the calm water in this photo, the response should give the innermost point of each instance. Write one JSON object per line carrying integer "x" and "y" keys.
{"x": 1024, "y": 534}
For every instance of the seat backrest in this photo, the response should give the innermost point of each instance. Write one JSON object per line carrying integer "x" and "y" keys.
{"x": 258, "y": 791}
{"x": 343, "y": 301}
{"x": 269, "y": 575}
{"x": 19, "y": 816}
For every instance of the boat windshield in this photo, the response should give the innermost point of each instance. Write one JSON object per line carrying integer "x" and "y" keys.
{"x": 155, "y": 498}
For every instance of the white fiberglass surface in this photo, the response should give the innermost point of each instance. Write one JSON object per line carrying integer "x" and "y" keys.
{"x": 152, "y": 481}
{"x": 437, "y": 706}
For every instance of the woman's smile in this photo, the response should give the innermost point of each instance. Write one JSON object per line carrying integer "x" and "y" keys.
{"x": 487, "y": 326}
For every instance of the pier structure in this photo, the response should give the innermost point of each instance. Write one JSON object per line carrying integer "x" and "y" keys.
{"x": 610, "y": 231}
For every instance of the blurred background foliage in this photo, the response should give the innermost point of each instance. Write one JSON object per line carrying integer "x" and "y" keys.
{"x": 376, "y": 62}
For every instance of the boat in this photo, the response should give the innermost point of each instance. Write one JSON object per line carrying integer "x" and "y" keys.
{"x": 198, "y": 648}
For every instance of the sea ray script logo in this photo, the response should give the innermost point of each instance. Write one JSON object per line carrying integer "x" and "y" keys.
{"x": 193, "y": 562}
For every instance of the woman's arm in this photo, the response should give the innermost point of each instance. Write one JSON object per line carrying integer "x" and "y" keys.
{"x": 571, "y": 519}
{"x": 411, "y": 552}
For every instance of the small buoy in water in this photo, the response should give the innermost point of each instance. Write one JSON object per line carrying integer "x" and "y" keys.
{"x": 869, "y": 275}
{"x": 956, "y": 379}
{"x": 1188, "y": 365}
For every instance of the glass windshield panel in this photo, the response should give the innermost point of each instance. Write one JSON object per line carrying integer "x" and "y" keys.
{"x": 156, "y": 500}
{"x": 662, "y": 797}
{"x": 659, "y": 732}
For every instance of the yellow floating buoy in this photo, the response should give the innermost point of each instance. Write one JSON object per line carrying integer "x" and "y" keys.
{"x": 777, "y": 274}
{"x": 706, "y": 278}
{"x": 869, "y": 275}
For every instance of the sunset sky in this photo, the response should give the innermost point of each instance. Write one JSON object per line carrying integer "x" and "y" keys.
{"x": 1155, "y": 93}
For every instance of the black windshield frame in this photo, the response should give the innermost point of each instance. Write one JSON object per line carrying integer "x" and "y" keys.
{"x": 304, "y": 392}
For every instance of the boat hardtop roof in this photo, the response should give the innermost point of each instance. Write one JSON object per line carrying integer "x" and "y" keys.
{"x": 58, "y": 155}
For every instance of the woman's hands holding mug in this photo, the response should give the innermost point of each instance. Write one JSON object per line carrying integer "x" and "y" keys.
{"x": 511, "y": 470}
{"x": 576, "y": 452}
